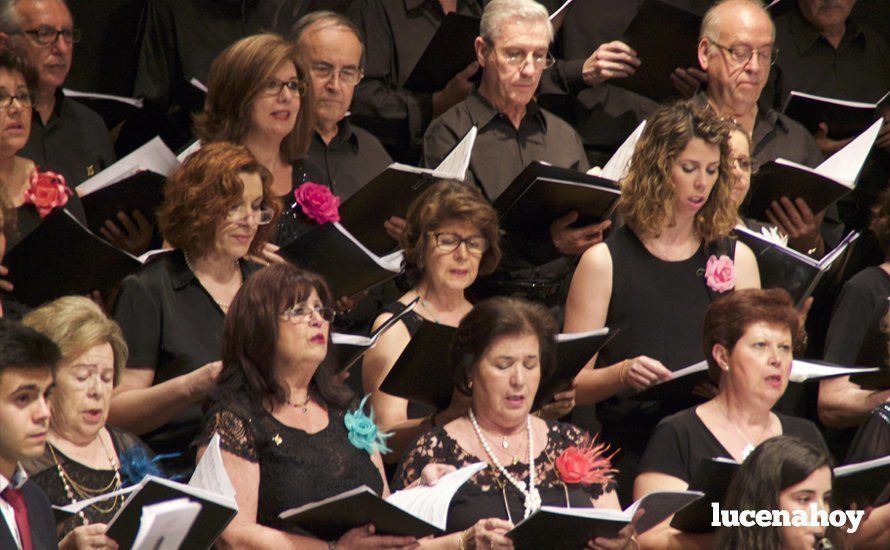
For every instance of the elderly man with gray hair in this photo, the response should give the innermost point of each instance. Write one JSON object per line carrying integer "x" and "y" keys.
{"x": 513, "y": 130}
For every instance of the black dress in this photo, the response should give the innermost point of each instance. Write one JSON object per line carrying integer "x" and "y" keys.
{"x": 173, "y": 326}
{"x": 484, "y": 495}
{"x": 296, "y": 467}
{"x": 293, "y": 223}
{"x": 659, "y": 308}
{"x": 44, "y": 472}
{"x": 682, "y": 440}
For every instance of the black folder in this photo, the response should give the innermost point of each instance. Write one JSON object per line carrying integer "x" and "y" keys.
{"x": 571, "y": 528}
{"x": 783, "y": 267}
{"x": 346, "y": 267}
{"x": 62, "y": 257}
{"x": 866, "y": 484}
{"x": 541, "y": 194}
{"x": 349, "y": 348}
{"x": 215, "y": 513}
{"x": 329, "y": 519}
{"x": 845, "y": 119}
{"x": 713, "y": 478}
{"x": 879, "y": 380}
{"x": 777, "y": 179}
{"x": 422, "y": 373}
{"x": 571, "y": 356}
{"x": 665, "y": 37}
{"x": 143, "y": 191}
{"x": 449, "y": 52}
{"x": 113, "y": 109}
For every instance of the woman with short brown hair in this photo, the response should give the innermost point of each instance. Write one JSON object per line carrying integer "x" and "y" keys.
{"x": 219, "y": 208}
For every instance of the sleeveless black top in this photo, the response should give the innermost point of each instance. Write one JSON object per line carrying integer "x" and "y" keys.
{"x": 412, "y": 321}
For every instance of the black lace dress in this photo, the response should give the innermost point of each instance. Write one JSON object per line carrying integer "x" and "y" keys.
{"x": 44, "y": 471}
{"x": 487, "y": 492}
{"x": 296, "y": 467}
{"x": 293, "y": 223}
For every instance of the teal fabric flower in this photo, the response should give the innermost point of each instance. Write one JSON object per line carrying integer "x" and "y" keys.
{"x": 363, "y": 432}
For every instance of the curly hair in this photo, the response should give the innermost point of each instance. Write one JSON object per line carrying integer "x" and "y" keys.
{"x": 776, "y": 464}
{"x": 236, "y": 78}
{"x": 497, "y": 318}
{"x": 443, "y": 202}
{"x": 880, "y": 221}
{"x": 647, "y": 192}
{"x": 76, "y": 324}
{"x": 199, "y": 195}
{"x": 250, "y": 337}
{"x": 729, "y": 316}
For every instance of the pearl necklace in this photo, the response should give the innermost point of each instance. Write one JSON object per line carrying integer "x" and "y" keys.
{"x": 71, "y": 487}
{"x": 222, "y": 305}
{"x": 532, "y": 496}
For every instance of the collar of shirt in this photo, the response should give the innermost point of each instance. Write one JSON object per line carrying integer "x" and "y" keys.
{"x": 19, "y": 477}
{"x": 344, "y": 135}
{"x": 766, "y": 122}
{"x": 806, "y": 35}
{"x": 57, "y": 109}
{"x": 482, "y": 112}
{"x": 181, "y": 275}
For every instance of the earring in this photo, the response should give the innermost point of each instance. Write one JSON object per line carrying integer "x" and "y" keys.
{"x": 470, "y": 385}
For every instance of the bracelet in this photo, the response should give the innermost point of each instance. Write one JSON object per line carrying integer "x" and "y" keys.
{"x": 622, "y": 372}
{"x": 461, "y": 543}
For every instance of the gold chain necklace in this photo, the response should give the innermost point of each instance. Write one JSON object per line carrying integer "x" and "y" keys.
{"x": 83, "y": 492}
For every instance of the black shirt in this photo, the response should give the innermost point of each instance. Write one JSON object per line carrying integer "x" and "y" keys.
{"x": 682, "y": 440}
{"x": 172, "y": 326}
{"x": 349, "y": 161}
{"x": 873, "y": 438}
{"x": 395, "y": 33}
{"x": 74, "y": 141}
{"x": 862, "y": 300}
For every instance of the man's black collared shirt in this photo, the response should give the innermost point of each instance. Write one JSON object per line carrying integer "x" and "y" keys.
{"x": 74, "y": 141}
{"x": 349, "y": 161}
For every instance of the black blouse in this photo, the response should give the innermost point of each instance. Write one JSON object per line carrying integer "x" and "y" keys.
{"x": 296, "y": 467}
{"x": 487, "y": 493}
{"x": 682, "y": 440}
{"x": 173, "y": 326}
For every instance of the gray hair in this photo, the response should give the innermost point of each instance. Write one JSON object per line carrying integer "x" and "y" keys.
{"x": 499, "y": 11}
{"x": 710, "y": 25}
{"x": 9, "y": 19}
{"x": 324, "y": 19}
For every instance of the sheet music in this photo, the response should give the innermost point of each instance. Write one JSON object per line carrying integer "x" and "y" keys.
{"x": 430, "y": 503}
{"x": 455, "y": 165}
{"x": 75, "y": 507}
{"x": 154, "y": 156}
{"x": 802, "y": 371}
{"x": 616, "y": 167}
{"x": 210, "y": 474}
{"x": 391, "y": 262}
{"x": 188, "y": 151}
{"x": 845, "y": 165}
{"x": 569, "y": 336}
{"x": 165, "y": 525}
{"x": 89, "y": 95}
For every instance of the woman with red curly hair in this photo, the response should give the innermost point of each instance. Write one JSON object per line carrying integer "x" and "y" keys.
{"x": 219, "y": 208}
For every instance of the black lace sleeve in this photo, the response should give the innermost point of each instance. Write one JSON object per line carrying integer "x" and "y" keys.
{"x": 235, "y": 432}
{"x": 563, "y": 436}
{"x": 428, "y": 448}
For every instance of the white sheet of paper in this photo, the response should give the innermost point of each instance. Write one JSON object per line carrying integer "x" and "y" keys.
{"x": 154, "y": 156}
{"x": 210, "y": 473}
{"x": 430, "y": 503}
{"x": 165, "y": 525}
{"x": 617, "y": 165}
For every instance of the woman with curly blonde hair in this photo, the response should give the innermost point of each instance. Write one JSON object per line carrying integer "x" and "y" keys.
{"x": 654, "y": 277}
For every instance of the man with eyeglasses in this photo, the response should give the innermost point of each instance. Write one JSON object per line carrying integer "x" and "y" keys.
{"x": 66, "y": 137}
{"x": 514, "y": 131}
{"x": 345, "y": 157}
{"x": 736, "y": 49}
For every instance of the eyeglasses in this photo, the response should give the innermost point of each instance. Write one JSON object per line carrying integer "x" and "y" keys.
{"x": 47, "y": 36}
{"x": 741, "y": 55}
{"x": 25, "y": 99}
{"x": 273, "y": 87}
{"x": 518, "y": 58}
{"x": 302, "y": 312}
{"x": 746, "y": 164}
{"x": 262, "y": 215}
{"x": 348, "y": 75}
{"x": 448, "y": 242}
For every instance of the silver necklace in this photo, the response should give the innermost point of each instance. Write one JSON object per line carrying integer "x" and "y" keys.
{"x": 222, "y": 305}
{"x": 532, "y": 496}
{"x": 749, "y": 447}
{"x": 426, "y": 305}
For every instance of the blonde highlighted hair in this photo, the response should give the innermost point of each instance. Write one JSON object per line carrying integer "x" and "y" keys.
{"x": 76, "y": 324}
{"x": 647, "y": 191}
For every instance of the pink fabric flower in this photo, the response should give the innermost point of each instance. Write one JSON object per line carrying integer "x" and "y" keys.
{"x": 317, "y": 202}
{"x": 46, "y": 192}
{"x": 720, "y": 273}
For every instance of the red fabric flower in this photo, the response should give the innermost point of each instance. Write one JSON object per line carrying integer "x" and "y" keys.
{"x": 720, "y": 273}
{"x": 317, "y": 202}
{"x": 586, "y": 464}
{"x": 46, "y": 192}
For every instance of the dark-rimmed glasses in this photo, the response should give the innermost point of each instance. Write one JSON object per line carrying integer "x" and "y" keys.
{"x": 741, "y": 55}
{"x": 448, "y": 242}
{"x": 273, "y": 87}
{"x": 47, "y": 36}
{"x": 25, "y": 99}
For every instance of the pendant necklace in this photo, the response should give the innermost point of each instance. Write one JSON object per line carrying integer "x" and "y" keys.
{"x": 749, "y": 447}
{"x": 302, "y": 407}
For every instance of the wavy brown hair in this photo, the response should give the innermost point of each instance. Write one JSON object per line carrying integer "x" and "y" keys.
{"x": 199, "y": 195}
{"x": 235, "y": 80}
{"x": 443, "y": 202}
{"x": 647, "y": 192}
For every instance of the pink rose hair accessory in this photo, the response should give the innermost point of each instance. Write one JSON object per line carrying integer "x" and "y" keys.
{"x": 586, "y": 464}
{"x": 47, "y": 191}
{"x": 720, "y": 273}
{"x": 317, "y": 202}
